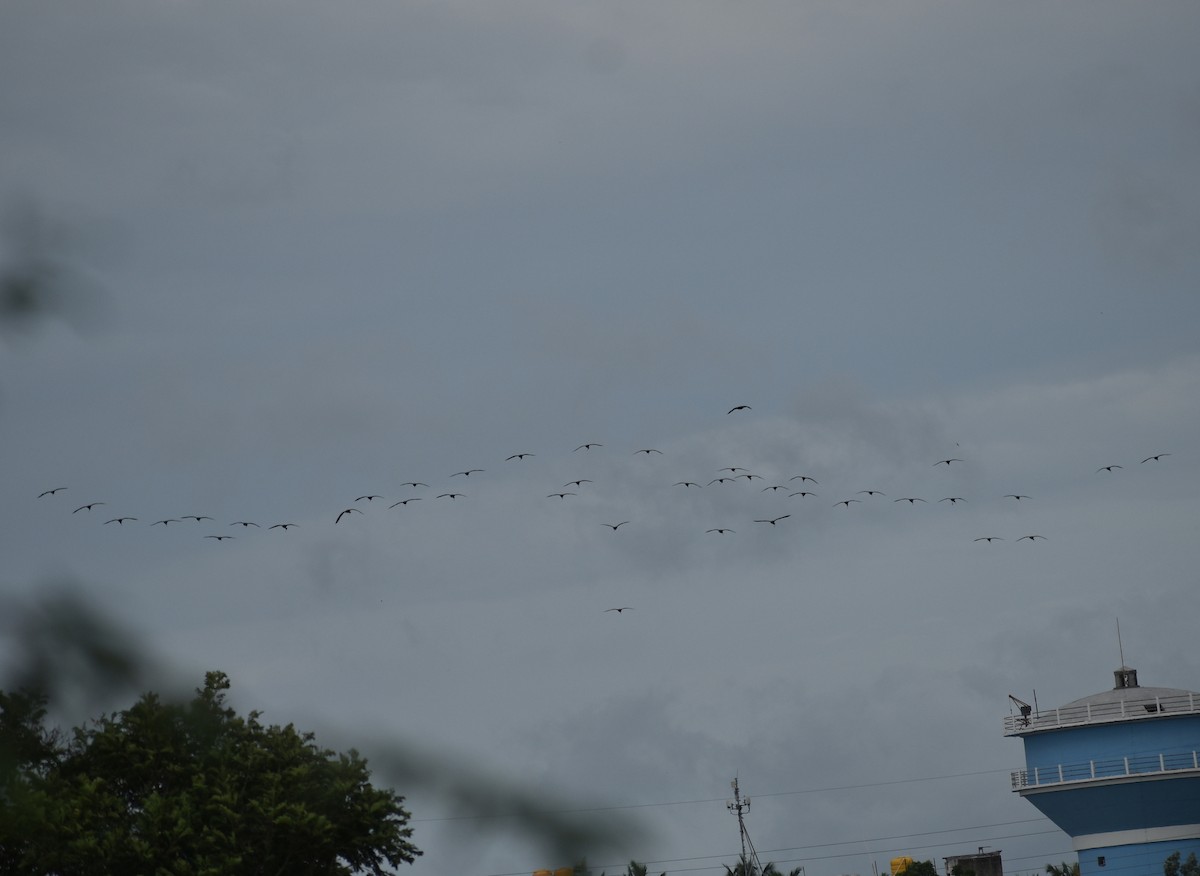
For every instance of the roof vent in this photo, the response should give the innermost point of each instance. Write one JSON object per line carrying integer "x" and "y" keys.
{"x": 1124, "y": 677}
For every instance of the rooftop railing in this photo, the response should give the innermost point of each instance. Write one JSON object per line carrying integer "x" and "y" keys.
{"x": 1102, "y": 713}
{"x": 1135, "y": 765}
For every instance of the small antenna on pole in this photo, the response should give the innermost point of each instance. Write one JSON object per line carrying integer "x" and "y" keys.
{"x": 1120, "y": 647}
{"x": 741, "y": 805}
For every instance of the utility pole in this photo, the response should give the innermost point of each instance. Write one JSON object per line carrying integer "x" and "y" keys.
{"x": 740, "y": 806}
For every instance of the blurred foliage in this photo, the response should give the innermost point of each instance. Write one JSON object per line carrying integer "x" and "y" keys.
{"x": 39, "y": 278}
{"x": 1173, "y": 867}
{"x": 204, "y": 780}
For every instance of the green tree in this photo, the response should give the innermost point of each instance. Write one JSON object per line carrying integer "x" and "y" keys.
{"x": 1063, "y": 869}
{"x": 1172, "y": 867}
{"x": 920, "y": 868}
{"x": 747, "y": 867}
{"x": 190, "y": 789}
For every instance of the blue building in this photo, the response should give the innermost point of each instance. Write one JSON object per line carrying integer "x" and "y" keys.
{"x": 1119, "y": 772}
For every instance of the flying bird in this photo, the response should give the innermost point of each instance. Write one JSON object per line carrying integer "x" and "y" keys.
{"x": 451, "y": 495}
{"x": 466, "y": 473}
{"x": 404, "y": 502}
{"x": 846, "y": 502}
{"x": 344, "y": 513}
{"x": 775, "y": 487}
{"x": 414, "y": 484}
{"x": 578, "y": 483}
{"x": 368, "y": 498}
{"x": 750, "y": 477}
{"x": 873, "y": 492}
{"x": 720, "y": 481}
{"x": 166, "y": 522}
{"x": 685, "y": 484}
{"x": 774, "y": 520}
{"x": 88, "y": 507}
{"x": 120, "y": 520}
{"x": 560, "y": 495}
{"x": 1016, "y": 496}
{"x": 245, "y": 523}
{"x": 587, "y": 446}
{"x": 953, "y": 499}
{"x": 615, "y": 526}
{"x": 737, "y": 408}
{"x": 518, "y": 456}
{"x": 802, "y": 479}
{"x": 989, "y": 538}
{"x": 1108, "y": 467}
{"x": 196, "y": 517}
{"x": 801, "y": 493}
{"x": 283, "y": 526}
{"x": 621, "y": 609}
{"x": 1156, "y": 457}
{"x": 647, "y": 451}
{"x": 720, "y": 531}
{"x": 220, "y": 537}
{"x": 51, "y": 492}
{"x": 910, "y": 500}
{"x": 1031, "y": 537}
{"x": 734, "y": 468}
{"x": 946, "y": 461}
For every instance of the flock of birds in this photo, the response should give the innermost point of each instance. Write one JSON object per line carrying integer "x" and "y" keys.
{"x": 794, "y": 486}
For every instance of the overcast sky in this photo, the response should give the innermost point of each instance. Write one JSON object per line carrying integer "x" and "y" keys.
{"x": 311, "y": 252}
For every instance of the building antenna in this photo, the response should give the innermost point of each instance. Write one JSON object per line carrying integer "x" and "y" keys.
{"x": 1120, "y": 647}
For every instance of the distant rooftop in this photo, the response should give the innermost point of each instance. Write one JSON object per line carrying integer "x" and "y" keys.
{"x": 1126, "y": 701}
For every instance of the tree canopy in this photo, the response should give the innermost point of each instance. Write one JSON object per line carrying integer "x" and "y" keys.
{"x": 187, "y": 788}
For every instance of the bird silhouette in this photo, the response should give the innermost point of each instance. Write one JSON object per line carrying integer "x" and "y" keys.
{"x": 685, "y": 484}
{"x": 344, "y": 513}
{"x": 1031, "y": 537}
{"x": 615, "y": 526}
{"x": 221, "y": 537}
{"x": 989, "y": 538}
{"x": 518, "y": 456}
{"x": 1108, "y": 467}
{"x": 721, "y": 531}
{"x": 946, "y": 461}
{"x": 283, "y": 526}
{"x": 196, "y": 517}
{"x": 773, "y": 488}
{"x": 737, "y": 408}
{"x": 1016, "y": 496}
{"x": 801, "y": 493}
{"x": 368, "y": 498}
{"x": 51, "y": 492}
{"x": 587, "y": 446}
{"x": 245, "y": 523}
{"x": 846, "y": 502}
{"x": 720, "y": 481}
{"x": 873, "y": 492}
{"x": 88, "y": 507}
{"x": 773, "y": 520}
{"x": 451, "y": 495}
{"x": 733, "y": 468}
{"x": 466, "y": 473}
{"x": 167, "y": 522}
{"x": 953, "y": 499}
{"x": 560, "y": 495}
{"x": 802, "y": 479}
{"x": 1156, "y": 457}
{"x": 578, "y": 483}
{"x": 404, "y": 502}
{"x": 912, "y": 500}
{"x": 413, "y": 484}
{"x": 119, "y": 520}
{"x": 647, "y": 451}
{"x": 750, "y": 477}
{"x": 619, "y": 610}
